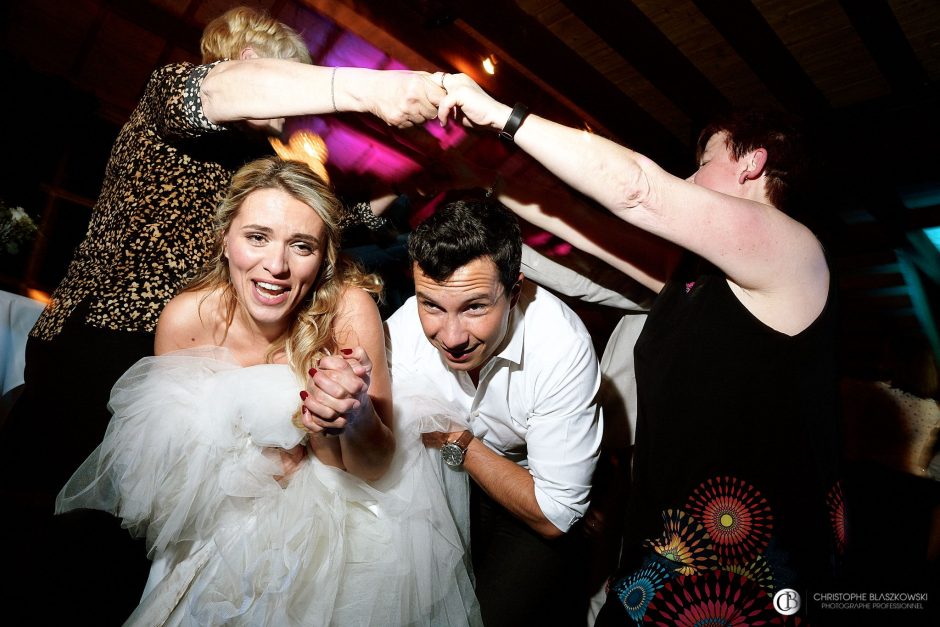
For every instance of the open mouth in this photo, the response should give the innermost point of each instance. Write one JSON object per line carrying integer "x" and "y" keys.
{"x": 460, "y": 356}
{"x": 270, "y": 292}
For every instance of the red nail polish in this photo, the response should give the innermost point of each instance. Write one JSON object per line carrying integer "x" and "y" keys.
{"x": 346, "y": 351}
{"x": 304, "y": 394}
{"x": 312, "y": 372}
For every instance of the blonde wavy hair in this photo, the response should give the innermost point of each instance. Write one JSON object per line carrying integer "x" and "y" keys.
{"x": 311, "y": 333}
{"x": 243, "y": 27}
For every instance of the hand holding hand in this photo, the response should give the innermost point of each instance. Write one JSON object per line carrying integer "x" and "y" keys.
{"x": 337, "y": 392}
{"x": 477, "y": 108}
{"x": 405, "y": 98}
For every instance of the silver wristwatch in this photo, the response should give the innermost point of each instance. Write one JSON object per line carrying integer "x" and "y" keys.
{"x": 453, "y": 452}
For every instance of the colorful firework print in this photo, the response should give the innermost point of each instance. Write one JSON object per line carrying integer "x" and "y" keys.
{"x": 758, "y": 571}
{"x": 684, "y": 543}
{"x": 837, "y": 516}
{"x": 735, "y": 515}
{"x": 714, "y": 598}
{"x": 636, "y": 591}
{"x": 717, "y": 561}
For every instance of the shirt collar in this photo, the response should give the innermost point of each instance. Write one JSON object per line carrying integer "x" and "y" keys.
{"x": 515, "y": 335}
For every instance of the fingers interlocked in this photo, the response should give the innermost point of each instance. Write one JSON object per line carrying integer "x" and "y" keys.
{"x": 337, "y": 390}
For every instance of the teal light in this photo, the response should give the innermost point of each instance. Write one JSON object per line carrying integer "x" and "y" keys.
{"x": 933, "y": 234}
{"x": 920, "y": 196}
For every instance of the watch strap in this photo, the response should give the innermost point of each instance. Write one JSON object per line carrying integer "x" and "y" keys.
{"x": 463, "y": 440}
{"x": 518, "y": 115}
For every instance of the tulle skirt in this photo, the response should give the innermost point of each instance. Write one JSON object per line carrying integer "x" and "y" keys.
{"x": 187, "y": 463}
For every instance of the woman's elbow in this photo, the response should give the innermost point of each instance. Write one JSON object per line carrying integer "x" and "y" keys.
{"x": 377, "y": 464}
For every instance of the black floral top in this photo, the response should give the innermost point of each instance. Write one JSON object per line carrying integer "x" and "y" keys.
{"x": 150, "y": 228}
{"x": 737, "y": 507}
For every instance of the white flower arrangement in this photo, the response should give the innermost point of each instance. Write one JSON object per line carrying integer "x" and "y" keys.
{"x": 16, "y": 228}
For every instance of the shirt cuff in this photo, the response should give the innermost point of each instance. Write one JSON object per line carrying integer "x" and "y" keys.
{"x": 559, "y": 515}
{"x": 193, "y": 99}
{"x": 361, "y": 213}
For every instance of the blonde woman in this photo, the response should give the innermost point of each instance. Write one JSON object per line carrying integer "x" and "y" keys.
{"x": 194, "y": 125}
{"x": 264, "y": 503}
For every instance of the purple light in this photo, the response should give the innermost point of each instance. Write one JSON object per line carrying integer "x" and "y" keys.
{"x": 351, "y": 150}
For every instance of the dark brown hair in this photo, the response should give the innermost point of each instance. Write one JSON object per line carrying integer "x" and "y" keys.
{"x": 778, "y": 134}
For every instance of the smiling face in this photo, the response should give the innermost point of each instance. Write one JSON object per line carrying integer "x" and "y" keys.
{"x": 274, "y": 248}
{"x": 466, "y": 316}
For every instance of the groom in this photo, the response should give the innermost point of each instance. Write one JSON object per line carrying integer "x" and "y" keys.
{"x": 522, "y": 367}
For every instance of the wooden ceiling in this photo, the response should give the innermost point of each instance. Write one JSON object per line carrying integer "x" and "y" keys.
{"x": 864, "y": 75}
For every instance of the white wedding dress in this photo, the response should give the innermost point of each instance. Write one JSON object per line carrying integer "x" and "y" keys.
{"x": 185, "y": 463}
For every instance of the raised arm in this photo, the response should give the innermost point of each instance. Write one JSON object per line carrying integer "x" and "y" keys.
{"x": 644, "y": 258}
{"x": 775, "y": 262}
{"x": 351, "y": 393}
{"x": 548, "y": 273}
{"x": 260, "y": 89}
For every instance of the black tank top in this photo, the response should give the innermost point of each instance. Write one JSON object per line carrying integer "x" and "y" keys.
{"x": 736, "y": 464}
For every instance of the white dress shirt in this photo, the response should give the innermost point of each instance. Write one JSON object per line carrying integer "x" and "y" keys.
{"x": 536, "y": 400}
{"x": 618, "y": 377}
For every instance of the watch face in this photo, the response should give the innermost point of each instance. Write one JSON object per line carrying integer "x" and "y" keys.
{"x": 452, "y": 454}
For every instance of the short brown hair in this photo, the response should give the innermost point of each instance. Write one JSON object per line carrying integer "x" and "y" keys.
{"x": 750, "y": 129}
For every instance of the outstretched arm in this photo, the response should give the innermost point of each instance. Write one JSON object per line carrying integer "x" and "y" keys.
{"x": 643, "y": 257}
{"x": 549, "y": 273}
{"x": 776, "y": 264}
{"x": 261, "y": 89}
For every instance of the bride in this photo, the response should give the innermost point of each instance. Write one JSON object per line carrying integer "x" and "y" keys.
{"x": 259, "y": 506}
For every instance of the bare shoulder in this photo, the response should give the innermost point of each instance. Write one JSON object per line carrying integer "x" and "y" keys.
{"x": 357, "y": 313}
{"x": 355, "y": 301}
{"x": 799, "y": 291}
{"x": 188, "y": 320}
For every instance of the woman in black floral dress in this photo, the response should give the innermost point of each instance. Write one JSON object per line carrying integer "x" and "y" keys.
{"x": 736, "y": 513}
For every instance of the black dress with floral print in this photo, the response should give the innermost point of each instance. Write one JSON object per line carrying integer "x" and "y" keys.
{"x": 736, "y": 491}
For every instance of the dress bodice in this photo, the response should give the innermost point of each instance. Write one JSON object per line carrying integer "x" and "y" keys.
{"x": 263, "y": 398}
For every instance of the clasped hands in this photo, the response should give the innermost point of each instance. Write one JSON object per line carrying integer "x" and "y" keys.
{"x": 337, "y": 392}
{"x": 404, "y": 98}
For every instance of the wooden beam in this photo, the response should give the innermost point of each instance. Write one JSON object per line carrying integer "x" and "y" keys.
{"x": 634, "y": 37}
{"x": 543, "y": 54}
{"x": 373, "y": 22}
{"x": 886, "y": 42}
{"x": 534, "y": 66}
{"x": 746, "y": 30}
{"x": 182, "y": 32}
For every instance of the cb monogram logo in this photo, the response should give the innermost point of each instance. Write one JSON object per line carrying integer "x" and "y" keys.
{"x": 787, "y": 601}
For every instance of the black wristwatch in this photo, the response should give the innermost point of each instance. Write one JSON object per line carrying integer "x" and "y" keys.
{"x": 454, "y": 451}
